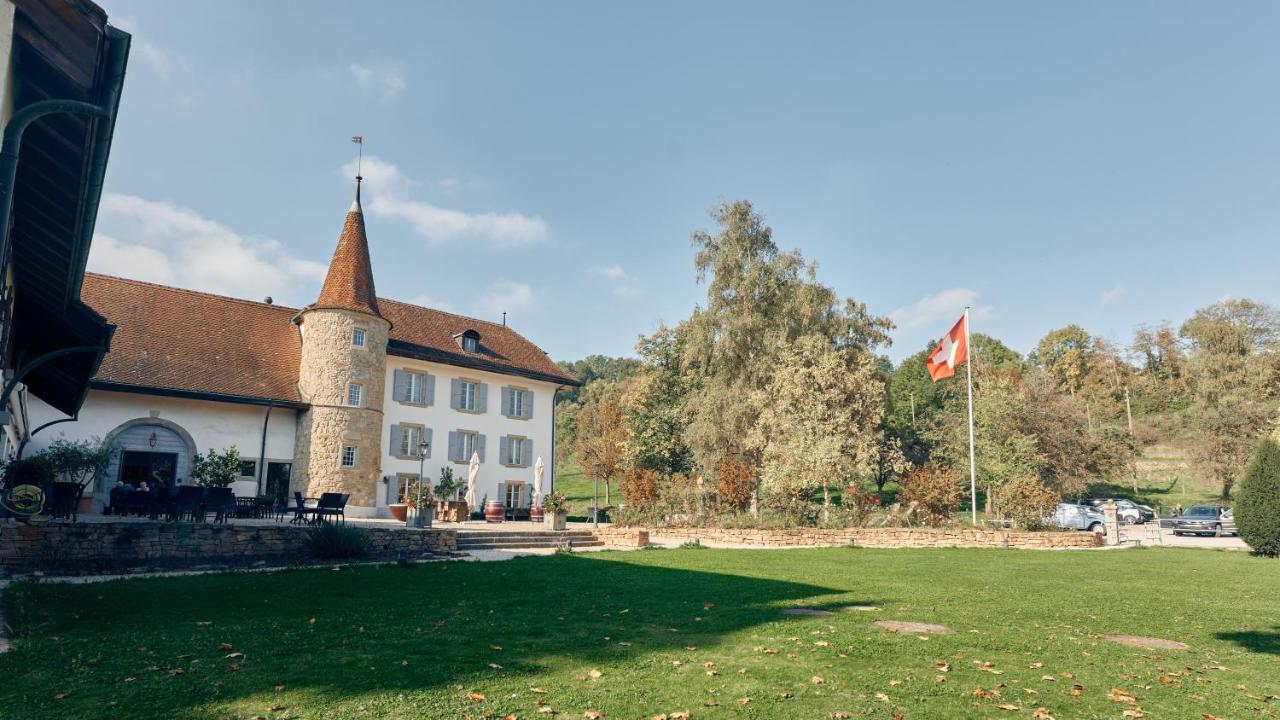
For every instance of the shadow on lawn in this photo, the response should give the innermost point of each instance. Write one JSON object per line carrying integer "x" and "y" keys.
{"x": 389, "y": 629}
{"x": 1266, "y": 642}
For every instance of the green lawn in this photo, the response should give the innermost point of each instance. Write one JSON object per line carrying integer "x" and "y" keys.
{"x": 666, "y": 630}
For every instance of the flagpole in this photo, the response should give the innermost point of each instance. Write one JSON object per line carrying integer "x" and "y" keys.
{"x": 973, "y": 473}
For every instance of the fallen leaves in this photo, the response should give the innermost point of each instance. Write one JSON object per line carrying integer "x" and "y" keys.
{"x": 476, "y": 697}
{"x": 816, "y": 680}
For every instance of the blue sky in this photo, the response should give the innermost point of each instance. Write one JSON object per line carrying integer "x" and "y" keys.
{"x": 1104, "y": 163}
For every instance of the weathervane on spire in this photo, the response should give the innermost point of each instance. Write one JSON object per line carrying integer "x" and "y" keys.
{"x": 359, "y": 141}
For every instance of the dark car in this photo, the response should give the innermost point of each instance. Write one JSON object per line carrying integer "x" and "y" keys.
{"x": 1203, "y": 520}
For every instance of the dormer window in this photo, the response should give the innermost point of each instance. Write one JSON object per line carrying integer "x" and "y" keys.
{"x": 468, "y": 340}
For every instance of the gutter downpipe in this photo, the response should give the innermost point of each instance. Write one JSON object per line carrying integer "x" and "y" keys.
{"x": 262, "y": 450}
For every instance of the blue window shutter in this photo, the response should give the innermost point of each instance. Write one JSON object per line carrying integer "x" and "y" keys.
{"x": 480, "y": 447}
{"x": 400, "y": 386}
{"x": 396, "y": 433}
{"x": 455, "y": 445}
{"x": 431, "y": 390}
{"x": 506, "y": 401}
{"x": 482, "y": 397}
{"x": 504, "y": 449}
{"x": 502, "y": 494}
{"x": 455, "y": 393}
{"x": 426, "y": 435}
{"x": 526, "y": 452}
{"x": 528, "y": 403}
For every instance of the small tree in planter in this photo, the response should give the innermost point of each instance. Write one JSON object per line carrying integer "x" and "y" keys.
{"x": 447, "y": 493}
{"x": 555, "y": 507}
{"x": 216, "y": 469}
{"x": 79, "y": 461}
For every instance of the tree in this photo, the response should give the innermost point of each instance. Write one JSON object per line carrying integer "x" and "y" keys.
{"x": 1065, "y": 355}
{"x": 760, "y": 302}
{"x": 600, "y": 437}
{"x": 1257, "y": 510}
{"x": 216, "y": 469}
{"x": 934, "y": 491}
{"x": 654, "y": 408}
{"x": 1234, "y": 380}
{"x": 79, "y": 461}
{"x": 819, "y": 419}
{"x": 593, "y": 368}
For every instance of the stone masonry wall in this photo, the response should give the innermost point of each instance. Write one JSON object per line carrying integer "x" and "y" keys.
{"x": 889, "y": 537}
{"x": 329, "y": 364}
{"x": 88, "y": 547}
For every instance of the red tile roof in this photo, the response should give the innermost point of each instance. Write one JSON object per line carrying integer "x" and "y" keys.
{"x": 192, "y": 343}
{"x": 349, "y": 283}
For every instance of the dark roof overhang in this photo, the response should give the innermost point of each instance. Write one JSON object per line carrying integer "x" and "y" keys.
{"x": 401, "y": 348}
{"x": 70, "y": 63}
{"x": 197, "y": 395}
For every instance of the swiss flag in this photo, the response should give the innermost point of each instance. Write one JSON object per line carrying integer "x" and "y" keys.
{"x": 952, "y": 350}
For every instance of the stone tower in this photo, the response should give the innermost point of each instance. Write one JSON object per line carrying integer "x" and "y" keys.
{"x": 344, "y": 359}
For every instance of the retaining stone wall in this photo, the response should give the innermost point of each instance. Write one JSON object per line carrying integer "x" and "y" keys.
{"x": 889, "y": 537}
{"x": 621, "y": 537}
{"x": 91, "y": 547}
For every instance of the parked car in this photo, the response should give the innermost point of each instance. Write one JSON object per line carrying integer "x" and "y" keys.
{"x": 1127, "y": 511}
{"x": 1205, "y": 520}
{"x": 1131, "y": 513}
{"x": 1077, "y": 517}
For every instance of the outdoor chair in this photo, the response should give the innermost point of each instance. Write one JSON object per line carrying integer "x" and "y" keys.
{"x": 64, "y": 500}
{"x": 332, "y": 505}
{"x": 222, "y": 502}
{"x": 300, "y": 510}
{"x": 188, "y": 502}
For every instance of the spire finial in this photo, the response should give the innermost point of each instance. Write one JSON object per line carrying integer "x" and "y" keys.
{"x": 359, "y": 141}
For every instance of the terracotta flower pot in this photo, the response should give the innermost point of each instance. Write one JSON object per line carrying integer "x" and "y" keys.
{"x": 399, "y": 511}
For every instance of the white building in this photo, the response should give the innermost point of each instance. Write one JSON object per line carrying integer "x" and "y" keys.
{"x": 336, "y": 396}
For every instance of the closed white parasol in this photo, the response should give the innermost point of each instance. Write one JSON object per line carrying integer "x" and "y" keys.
{"x": 537, "y": 481}
{"x": 473, "y": 473}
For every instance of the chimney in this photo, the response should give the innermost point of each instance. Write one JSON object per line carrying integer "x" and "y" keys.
{"x": 268, "y": 300}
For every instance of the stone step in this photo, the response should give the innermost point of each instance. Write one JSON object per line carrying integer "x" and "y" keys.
{"x": 525, "y": 545}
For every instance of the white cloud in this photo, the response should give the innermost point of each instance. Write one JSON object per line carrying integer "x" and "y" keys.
{"x": 1111, "y": 295}
{"x": 427, "y": 301}
{"x": 618, "y": 280}
{"x": 391, "y": 195}
{"x": 163, "y": 62}
{"x": 941, "y": 309}
{"x": 510, "y": 297}
{"x": 160, "y": 242}
{"x": 386, "y": 79}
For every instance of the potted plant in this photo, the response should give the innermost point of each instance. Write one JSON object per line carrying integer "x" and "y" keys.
{"x": 555, "y": 510}
{"x": 446, "y": 491}
{"x": 419, "y": 502}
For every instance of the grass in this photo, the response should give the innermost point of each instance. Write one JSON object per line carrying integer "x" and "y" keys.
{"x": 667, "y": 630}
{"x": 1166, "y": 477}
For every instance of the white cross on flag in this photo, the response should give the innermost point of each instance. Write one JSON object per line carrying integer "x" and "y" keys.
{"x": 952, "y": 350}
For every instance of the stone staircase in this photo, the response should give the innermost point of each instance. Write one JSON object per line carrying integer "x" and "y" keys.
{"x": 469, "y": 540}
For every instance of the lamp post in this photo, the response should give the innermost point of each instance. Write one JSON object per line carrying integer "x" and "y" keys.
{"x": 595, "y": 495}
{"x": 423, "y": 447}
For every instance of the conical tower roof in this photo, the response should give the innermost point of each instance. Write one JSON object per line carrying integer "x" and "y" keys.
{"x": 349, "y": 283}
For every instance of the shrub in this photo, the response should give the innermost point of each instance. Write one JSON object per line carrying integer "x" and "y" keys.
{"x": 338, "y": 542}
{"x": 735, "y": 483}
{"x": 553, "y": 502}
{"x": 1025, "y": 501}
{"x": 79, "y": 461}
{"x": 38, "y": 470}
{"x": 1257, "y": 508}
{"x": 216, "y": 469}
{"x": 640, "y": 487}
{"x": 934, "y": 491}
{"x": 448, "y": 485}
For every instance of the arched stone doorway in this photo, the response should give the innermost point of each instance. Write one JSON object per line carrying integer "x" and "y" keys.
{"x": 148, "y": 449}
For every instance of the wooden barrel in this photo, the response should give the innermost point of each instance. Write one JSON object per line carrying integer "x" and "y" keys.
{"x": 536, "y": 514}
{"x": 493, "y": 511}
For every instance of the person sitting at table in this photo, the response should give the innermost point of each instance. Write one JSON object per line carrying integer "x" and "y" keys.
{"x": 142, "y": 487}
{"x": 115, "y": 499}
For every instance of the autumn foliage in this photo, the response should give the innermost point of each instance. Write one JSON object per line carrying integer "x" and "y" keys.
{"x": 735, "y": 482}
{"x": 935, "y": 491}
{"x": 640, "y": 487}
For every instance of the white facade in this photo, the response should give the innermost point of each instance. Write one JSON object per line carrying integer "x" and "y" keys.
{"x": 441, "y": 419}
{"x": 205, "y": 424}
{"x": 153, "y": 423}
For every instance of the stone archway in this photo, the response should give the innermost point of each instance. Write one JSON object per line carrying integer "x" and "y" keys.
{"x": 149, "y": 434}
